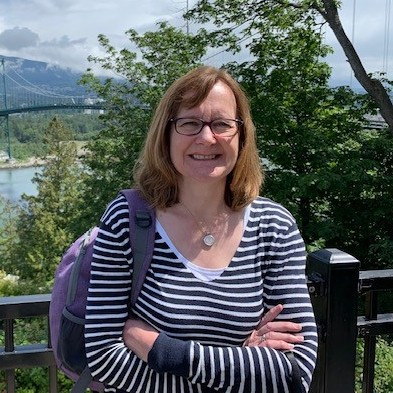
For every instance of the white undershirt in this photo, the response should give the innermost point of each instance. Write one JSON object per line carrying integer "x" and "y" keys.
{"x": 202, "y": 273}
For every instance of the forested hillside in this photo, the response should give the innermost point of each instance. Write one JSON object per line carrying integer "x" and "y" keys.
{"x": 27, "y": 131}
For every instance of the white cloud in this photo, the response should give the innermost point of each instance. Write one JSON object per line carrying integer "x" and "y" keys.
{"x": 18, "y": 38}
{"x": 63, "y": 42}
{"x": 65, "y": 32}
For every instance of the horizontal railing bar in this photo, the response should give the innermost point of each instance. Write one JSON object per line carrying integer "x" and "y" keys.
{"x": 375, "y": 327}
{"x": 375, "y": 280}
{"x": 24, "y": 356}
{"x": 13, "y": 307}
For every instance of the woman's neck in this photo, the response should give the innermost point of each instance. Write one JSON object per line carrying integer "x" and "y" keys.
{"x": 204, "y": 200}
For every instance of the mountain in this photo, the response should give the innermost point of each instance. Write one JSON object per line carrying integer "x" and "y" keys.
{"x": 24, "y": 72}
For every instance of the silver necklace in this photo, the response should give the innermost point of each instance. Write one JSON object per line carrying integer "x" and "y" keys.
{"x": 207, "y": 238}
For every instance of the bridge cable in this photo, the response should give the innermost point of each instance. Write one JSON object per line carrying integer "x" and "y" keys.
{"x": 386, "y": 37}
{"x": 34, "y": 90}
{"x": 44, "y": 92}
{"x": 52, "y": 94}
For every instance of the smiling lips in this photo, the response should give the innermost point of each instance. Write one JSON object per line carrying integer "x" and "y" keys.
{"x": 204, "y": 157}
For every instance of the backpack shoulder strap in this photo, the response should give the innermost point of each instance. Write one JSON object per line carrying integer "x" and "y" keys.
{"x": 83, "y": 382}
{"x": 142, "y": 236}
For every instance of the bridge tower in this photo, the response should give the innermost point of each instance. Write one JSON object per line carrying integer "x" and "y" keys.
{"x": 4, "y": 121}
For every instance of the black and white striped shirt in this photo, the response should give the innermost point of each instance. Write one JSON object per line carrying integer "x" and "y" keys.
{"x": 202, "y": 324}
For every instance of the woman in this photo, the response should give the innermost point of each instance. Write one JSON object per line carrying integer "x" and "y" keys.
{"x": 223, "y": 258}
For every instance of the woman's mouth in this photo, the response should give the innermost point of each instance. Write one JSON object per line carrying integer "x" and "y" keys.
{"x": 204, "y": 157}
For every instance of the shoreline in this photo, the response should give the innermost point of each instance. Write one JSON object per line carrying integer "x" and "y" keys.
{"x": 14, "y": 164}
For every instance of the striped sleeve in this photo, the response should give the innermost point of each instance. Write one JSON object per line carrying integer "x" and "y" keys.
{"x": 110, "y": 361}
{"x": 232, "y": 369}
{"x": 285, "y": 283}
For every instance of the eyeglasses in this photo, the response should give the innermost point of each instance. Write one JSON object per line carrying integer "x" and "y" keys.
{"x": 222, "y": 127}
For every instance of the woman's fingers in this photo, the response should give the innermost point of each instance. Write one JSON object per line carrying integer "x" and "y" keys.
{"x": 270, "y": 333}
{"x": 277, "y": 344}
{"x": 277, "y": 336}
{"x": 279, "y": 326}
{"x": 270, "y": 316}
{"x": 276, "y": 340}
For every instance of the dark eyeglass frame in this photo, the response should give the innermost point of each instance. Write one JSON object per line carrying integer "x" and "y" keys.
{"x": 206, "y": 123}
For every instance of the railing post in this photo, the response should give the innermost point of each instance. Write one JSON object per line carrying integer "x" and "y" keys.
{"x": 53, "y": 385}
{"x": 9, "y": 347}
{"x": 333, "y": 284}
{"x": 370, "y": 343}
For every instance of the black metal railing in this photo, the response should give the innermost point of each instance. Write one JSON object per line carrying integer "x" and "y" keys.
{"x": 373, "y": 324}
{"x": 13, "y": 356}
{"x": 335, "y": 284}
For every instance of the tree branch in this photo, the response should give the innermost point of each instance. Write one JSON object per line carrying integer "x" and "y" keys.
{"x": 372, "y": 86}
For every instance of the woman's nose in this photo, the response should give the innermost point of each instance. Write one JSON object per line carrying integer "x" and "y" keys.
{"x": 207, "y": 134}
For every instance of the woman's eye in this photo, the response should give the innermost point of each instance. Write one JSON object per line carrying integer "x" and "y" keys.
{"x": 189, "y": 123}
{"x": 222, "y": 124}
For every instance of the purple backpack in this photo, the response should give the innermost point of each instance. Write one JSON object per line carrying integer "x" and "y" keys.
{"x": 69, "y": 294}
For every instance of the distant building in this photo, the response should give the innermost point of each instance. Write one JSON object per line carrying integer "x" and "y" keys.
{"x": 93, "y": 101}
{"x": 374, "y": 122}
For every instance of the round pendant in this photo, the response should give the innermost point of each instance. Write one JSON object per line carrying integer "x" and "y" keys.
{"x": 209, "y": 240}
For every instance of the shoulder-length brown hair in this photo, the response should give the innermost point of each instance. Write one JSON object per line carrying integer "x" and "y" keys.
{"x": 154, "y": 173}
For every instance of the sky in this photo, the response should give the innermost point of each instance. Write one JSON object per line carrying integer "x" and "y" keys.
{"x": 64, "y": 32}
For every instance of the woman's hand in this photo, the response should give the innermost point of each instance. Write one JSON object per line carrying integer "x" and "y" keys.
{"x": 139, "y": 337}
{"x": 280, "y": 335}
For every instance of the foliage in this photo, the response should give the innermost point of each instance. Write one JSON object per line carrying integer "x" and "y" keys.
{"x": 24, "y": 151}
{"x": 12, "y": 285}
{"x": 383, "y": 380}
{"x": 334, "y": 177}
{"x": 166, "y": 54}
{"x": 46, "y": 224}
{"x": 35, "y": 380}
{"x": 30, "y": 128}
{"x": 43, "y": 227}
{"x": 363, "y": 183}
{"x": 8, "y": 233}
{"x": 7, "y": 283}
{"x": 27, "y": 131}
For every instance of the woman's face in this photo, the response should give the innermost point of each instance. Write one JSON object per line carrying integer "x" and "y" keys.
{"x": 206, "y": 157}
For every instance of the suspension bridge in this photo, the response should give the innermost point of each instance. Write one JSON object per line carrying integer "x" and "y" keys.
{"x": 18, "y": 95}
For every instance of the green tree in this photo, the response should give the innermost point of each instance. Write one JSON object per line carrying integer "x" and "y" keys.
{"x": 294, "y": 11}
{"x": 8, "y": 234}
{"x": 46, "y": 225}
{"x": 383, "y": 380}
{"x": 320, "y": 160}
{"x": 360, "y": 199}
